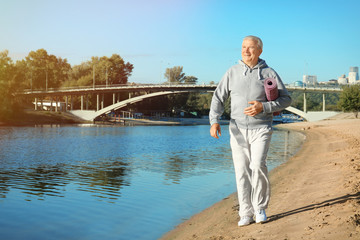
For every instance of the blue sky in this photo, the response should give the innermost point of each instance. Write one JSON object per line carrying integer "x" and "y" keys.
{"x": 204, "y": 36}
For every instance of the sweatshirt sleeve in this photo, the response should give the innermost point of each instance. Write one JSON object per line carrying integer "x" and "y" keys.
{"x": 282, "y": 102}
{"x": 221, "y": 94}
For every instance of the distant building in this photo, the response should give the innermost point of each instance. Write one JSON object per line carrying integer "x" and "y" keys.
{"x": 343, "y": 79}
{"x": 298, "y": 84}
{"x": 333, "y": 82}
{"x": 353, "y": 75}
{"x": 310, "y": 80}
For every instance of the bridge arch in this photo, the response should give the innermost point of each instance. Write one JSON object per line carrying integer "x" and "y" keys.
{"x": 297, "y": 112}
{"x": 90, "y": 116}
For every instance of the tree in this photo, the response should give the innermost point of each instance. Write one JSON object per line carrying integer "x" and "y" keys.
{"x": 46, "y": 71}
{"x": 350, "y": 99}
{"x": 314, "y": 101}
{"x": 113, "y": 70}
{"x": 199, "y": 102}
{"x": 6, "y": 66}
{"x": 174, "y": 74}
{"x": 190, "y": 79}
{"x": 79, "y": 75}
{"x": 8, "y": 86}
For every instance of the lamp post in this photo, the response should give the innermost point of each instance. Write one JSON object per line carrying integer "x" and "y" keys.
{"x": 93, "y": 75}
{"x": 31, "y": 75}
{"x": 169, "y": 74}
{"x": 106, "y": 76}
{"x": 46, "y": 84}
{"x": 46, "y": 73}
{"x": 31, "y": 80}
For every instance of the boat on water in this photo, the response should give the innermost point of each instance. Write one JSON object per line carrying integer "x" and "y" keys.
{"x": 287, "y": 118}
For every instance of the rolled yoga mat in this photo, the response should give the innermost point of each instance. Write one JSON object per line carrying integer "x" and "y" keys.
{"x": 271, "y": 91}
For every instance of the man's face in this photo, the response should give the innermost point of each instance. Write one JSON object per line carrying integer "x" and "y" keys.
{"x": 250, "y": 52}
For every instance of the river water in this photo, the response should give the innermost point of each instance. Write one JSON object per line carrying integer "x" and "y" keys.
{"x": 112, "y": 182}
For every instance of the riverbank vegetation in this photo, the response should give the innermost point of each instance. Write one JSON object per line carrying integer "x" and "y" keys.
{"x": 314, "y": 101}
{"x": 42, "y": 71}
{"x": 350, "y": 99}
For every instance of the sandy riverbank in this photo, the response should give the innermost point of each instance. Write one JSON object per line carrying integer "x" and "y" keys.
{"x": 315, "y": 195}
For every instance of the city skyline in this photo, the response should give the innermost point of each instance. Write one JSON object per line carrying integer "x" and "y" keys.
{"x": 300, "y": 38}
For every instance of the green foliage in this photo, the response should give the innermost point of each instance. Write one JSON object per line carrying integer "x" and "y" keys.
{"x": 175, "y": 74}
{"x": 178, "y": 101}
{"x": 8, "y": 86}
{"x": 199, "y": 102}
{"x": 45, "y": 71}
{"x": 40, "y": 70}
{"x": 190, "y": 79}
{"x": 350, "y": 99}
{"x": 314, "y": 101}
{"x": 107, "y": 71}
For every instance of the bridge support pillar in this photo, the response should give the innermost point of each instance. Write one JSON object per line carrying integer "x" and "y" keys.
{"x": 72, "y": 103}
{"x": 97, "y": 102}
{"x": 56, "y": 104}
{"x": 323, "y": 102}
{"x": 35, "y": 104}
{"x": 102, "y": 101}
{"x": 51, "y": 104}
{"x": 305, "y": 102}
{"x": 114, "y": 96}
{"x": 42, "y": 104}
{"x": 82, "y": 102}
{"x": 87, "y": 102}
{"x": 66, "y": 103}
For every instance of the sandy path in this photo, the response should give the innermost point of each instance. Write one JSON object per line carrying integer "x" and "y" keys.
{"x": 315, "y": 195}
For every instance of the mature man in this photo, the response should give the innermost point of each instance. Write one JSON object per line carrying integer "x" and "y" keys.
{"x": 250, "y": 126}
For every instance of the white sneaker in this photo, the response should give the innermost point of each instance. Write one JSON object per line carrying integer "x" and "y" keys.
{"x": 245, "y": 221}
{"x": 260, "y": 216}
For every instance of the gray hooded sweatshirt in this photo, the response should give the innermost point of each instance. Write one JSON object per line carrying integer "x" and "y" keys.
{"x": 244, "y": 84}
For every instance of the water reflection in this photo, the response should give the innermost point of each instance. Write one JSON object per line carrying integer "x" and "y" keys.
{"x": 104, "y": 180}
{"x": 175, "y": 166}
{"x": 39, "y": 181}
{"x": 283, "y": 146}
{"x": 286, "y": 145}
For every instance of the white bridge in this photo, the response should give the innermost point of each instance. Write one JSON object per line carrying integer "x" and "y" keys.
{"x": 153, "y": 90}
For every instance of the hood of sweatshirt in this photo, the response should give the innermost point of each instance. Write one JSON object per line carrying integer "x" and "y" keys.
{"x": 259, "y": 66}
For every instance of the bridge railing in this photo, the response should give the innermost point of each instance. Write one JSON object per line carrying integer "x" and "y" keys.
{"x": 84, "y": 87}
{"x": 167, "y": 85}
{"x": 120, "y": 86}
{"x": 315, "y": 88}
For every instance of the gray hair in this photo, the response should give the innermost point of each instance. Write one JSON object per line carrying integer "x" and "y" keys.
{"x": 256, "y": 39}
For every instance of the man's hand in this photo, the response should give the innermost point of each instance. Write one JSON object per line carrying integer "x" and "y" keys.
{"x": 255, "y": 108}
{"x": 214, "y": 130}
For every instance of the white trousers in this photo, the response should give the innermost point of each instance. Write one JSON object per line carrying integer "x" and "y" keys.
{"x": 249, "y": 150}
